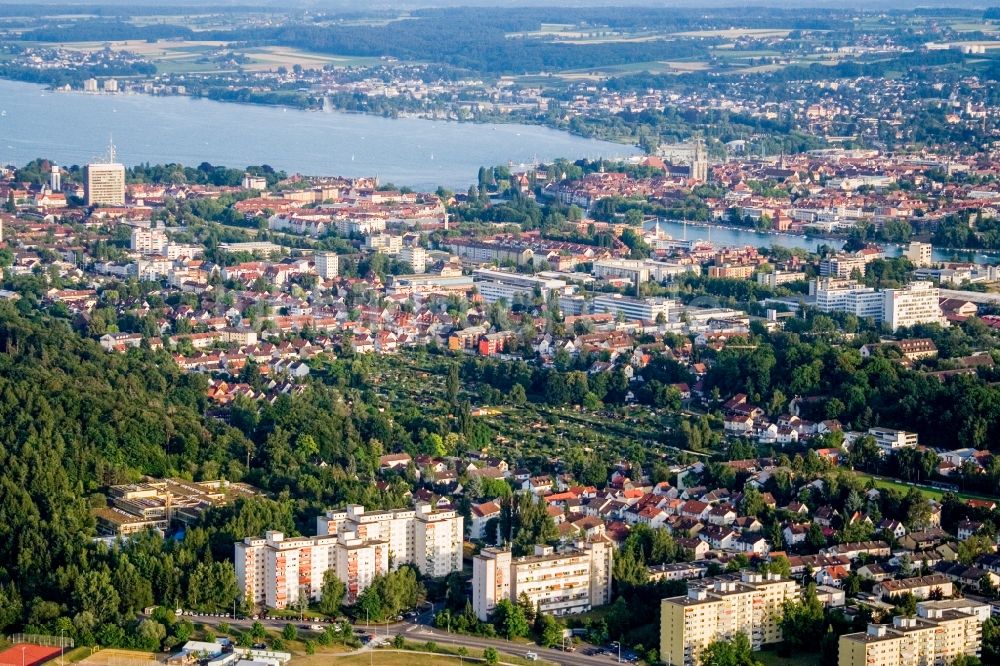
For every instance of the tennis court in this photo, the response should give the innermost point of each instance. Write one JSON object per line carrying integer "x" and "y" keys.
{"x": 26, "y": 654}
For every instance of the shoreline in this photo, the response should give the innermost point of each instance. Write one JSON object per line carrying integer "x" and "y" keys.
{"x": 500, "y": 120}
{"x": 833, "y": 239}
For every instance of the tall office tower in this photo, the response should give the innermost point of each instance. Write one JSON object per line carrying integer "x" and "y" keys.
{"x": 105, "y": 182}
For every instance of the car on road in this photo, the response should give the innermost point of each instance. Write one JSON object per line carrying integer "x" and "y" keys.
{"x": 531, "y": 656}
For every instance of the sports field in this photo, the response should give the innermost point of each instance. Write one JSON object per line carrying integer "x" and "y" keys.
{"x": 26, "y": 654}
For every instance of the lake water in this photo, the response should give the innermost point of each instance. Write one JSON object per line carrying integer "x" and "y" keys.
{"x": 74, "y": 128}
{"x": 729, "y": 237}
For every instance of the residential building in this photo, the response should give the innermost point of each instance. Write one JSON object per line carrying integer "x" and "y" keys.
{"x": 937, "y": 635}
{"x": 890, "y": 439}
{"x": 838, "y": 296}
{"x": 415, "y": 256}
{"x": 646, "y": 309}
{"x": 920, "y": 587}
{"x": 732, "y": 271}
{"x": 916, "y": 304}
{"x": 841, "y": 266}
{"x": 495, "y": 285}
{"x": 718, "y": 610}
{"x": 572, "y": 580}
{"x": 776, "y": 278}
{"x": 482, "y": 514}
{"x": 438, "y": 537}
{"x": 275, "y": 571}
{"x": 357, "y": 544}
{"x": 149, "y": 241}
{"x": 635, "y": 271}
{"x": 919, "y": 254}
{"x": 430, "y": 539}
{"x": 327, "y": 264}
{"x": 384, "y": 243}
{"x": 105, "y": 184}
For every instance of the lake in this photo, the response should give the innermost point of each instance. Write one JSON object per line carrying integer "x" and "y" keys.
{"x": 74, "y": 128}
{"x": 730, "y": 237}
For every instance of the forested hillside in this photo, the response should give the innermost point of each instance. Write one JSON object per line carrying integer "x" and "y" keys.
{"x": 76, "y": 419}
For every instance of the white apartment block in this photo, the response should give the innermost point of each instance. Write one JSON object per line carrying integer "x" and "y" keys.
{"x": 919, "y": 254}
{"x": 841, "y": 266}
{"x": 384, "y": 243}
{"x": 647, "y": 309}
{"x": 495, "y": 285}
{"x": 556, "y": 583}
{"x": 395, "y": 527}
{"x": 839, "y": 296}
{"x": 327, "y": 264}
{"x": 429, "y": 539}
{"x": 149, "y": 241}
{"x": 177, "y": 250}
{"x": 361, "y": 226}
{"x": 916, "y": 304}
{"x": 104, "y": 184}
{"x": 415, "y": 256}
{"x": 633, "y": 270}
{"x": 438, "y": 542}
{"x": 776, "y": 278}
{"x": 275, "y": 571}
{"x": 937, "y": 635}
{"x": 890, "y": 439}
{"x": 719, "y": 610}
{"x": 359, "y": 561}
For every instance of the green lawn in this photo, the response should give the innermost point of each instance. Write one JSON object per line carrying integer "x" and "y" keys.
{"x": 931, "y": 493}
{"x": 774, "y": 659}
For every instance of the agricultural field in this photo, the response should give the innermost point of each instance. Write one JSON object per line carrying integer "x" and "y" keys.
{"x": 736, "y": 33}
{"x": 272, "y": 57}
{"x": 179, "y": 57}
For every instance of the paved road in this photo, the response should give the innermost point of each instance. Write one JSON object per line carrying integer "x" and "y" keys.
{"x": 420, "y": 631}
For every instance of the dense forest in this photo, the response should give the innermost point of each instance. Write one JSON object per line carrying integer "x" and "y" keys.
{"x": 477, "y": 38}
{"x": 76, "y": 419}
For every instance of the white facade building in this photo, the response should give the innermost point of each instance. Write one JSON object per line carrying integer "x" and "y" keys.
{"x": 415, "y": 256}
{"x": 358, "y": 545}
{"x": 919, "y": 254}
{"x": 496, "y": 285}
{"x": 149, "y": 241}
{"x": 647, "y": 309}
{"x": 916, "y": 304}
{"x": 556, "y": 583}
{"x": 327, "y": 264}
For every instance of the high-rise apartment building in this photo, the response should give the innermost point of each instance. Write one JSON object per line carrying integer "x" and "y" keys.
{"x": 916, "y": 304}
{"x": 557, "y": 583}
{"x": 842, "y": 296}
{"x": 721, "y": 608}
{"x": 919, "y": 254}
{"x": 149, "y": 241}
{"x": 105, "y": 184}
{"x": 841, "y": 266}
{"x": 415, "y": 256}
{"x": 359, "y": 545}
{"x": 327, "y": 264}
{"x": 939, "y": 634}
